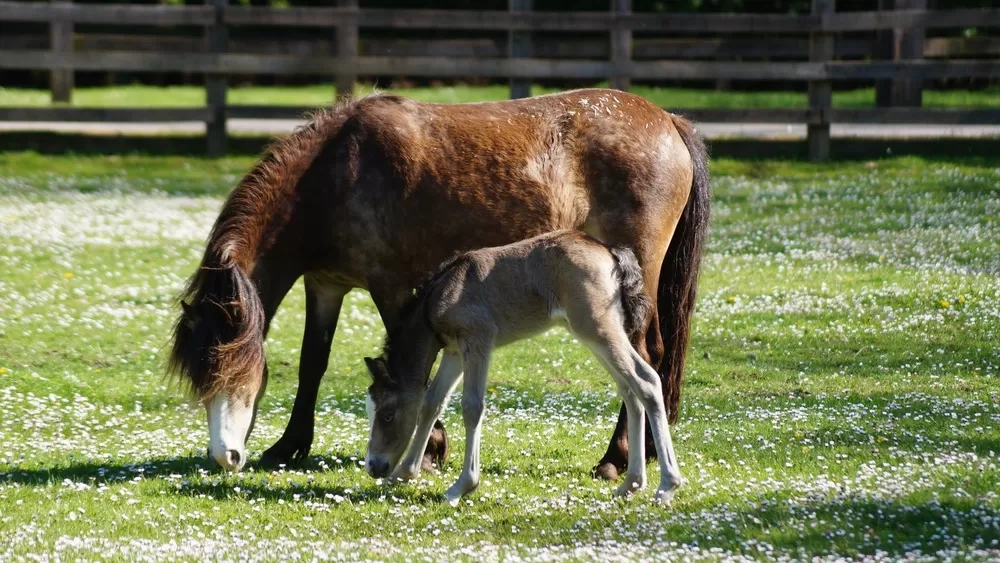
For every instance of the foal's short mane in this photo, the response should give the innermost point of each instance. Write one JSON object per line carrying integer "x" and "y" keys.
{"x": 253, "y": 215}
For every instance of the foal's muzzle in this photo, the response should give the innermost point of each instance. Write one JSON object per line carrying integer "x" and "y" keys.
{"x": 378, "y": 468}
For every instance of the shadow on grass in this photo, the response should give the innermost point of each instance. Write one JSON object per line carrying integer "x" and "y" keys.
{"x": 842, "y": 149}
{"x": 366, "y": 489}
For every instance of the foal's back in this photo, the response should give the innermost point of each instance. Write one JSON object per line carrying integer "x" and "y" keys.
{"x": 520, "y": 289}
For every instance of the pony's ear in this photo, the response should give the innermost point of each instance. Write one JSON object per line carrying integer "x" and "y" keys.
{"x": 378, "y": 369}
{"x": 190, "y": 314}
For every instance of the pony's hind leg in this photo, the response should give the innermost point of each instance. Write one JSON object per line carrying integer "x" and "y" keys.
{"x": 476, "y": 358}
{"x": 435, "y": 400}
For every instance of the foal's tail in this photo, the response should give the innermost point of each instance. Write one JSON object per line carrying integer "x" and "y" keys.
{"x": 635, "y": 303}
{"x": 679, "y": 273}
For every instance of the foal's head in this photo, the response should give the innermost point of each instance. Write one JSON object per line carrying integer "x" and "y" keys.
{"x": 393, "y": 406}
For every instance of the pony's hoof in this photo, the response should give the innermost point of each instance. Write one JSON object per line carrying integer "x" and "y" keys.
{"x": 283, "y": 453}
{"x": 606, "y": 471}
{"x": 437, "y": 448}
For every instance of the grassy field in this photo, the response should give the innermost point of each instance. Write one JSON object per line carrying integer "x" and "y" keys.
{"x": 321, "y": 94}
{"x": 842, "y": 397}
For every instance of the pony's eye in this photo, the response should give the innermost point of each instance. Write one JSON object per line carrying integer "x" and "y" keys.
{"x": 388, "y": 416}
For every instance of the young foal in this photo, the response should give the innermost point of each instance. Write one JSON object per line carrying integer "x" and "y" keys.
{"x": 494, "y": 296}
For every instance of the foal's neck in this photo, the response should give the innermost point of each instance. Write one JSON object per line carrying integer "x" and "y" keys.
{"x": 412, "y": 347}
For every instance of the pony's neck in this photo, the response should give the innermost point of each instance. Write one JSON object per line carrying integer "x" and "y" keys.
{"x": 412, "y": 347}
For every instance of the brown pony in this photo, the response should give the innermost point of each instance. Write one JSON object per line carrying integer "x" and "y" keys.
{"x": 377, "y": 191}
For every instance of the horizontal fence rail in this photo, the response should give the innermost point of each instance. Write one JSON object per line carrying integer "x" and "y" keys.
{"x": 116, "y": 14}
{"x": 781, "y": 47}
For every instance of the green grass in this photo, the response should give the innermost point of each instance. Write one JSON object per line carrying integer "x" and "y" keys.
{"x": 321, "y": 94}
{"x": 841, "y": 397}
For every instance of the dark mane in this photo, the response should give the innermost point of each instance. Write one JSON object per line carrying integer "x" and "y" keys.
{"x": 228, "y": 354}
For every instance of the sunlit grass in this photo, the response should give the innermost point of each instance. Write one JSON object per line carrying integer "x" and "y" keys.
{"x": 841, "y": 397}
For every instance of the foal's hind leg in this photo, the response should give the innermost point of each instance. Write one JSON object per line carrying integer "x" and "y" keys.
{"x": 646, "y": 386}
{"x": 640, "y": 389}
{"x": 435, "y": 401}
{"x": 635, "y": 475}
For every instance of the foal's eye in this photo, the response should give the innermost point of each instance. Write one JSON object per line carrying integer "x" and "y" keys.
{"x": 388, "y": 416}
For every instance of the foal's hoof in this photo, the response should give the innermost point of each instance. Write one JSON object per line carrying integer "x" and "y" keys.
{"x": 437, "y": 448}
{"x": 606, "y": 471}
{"x": 663, "y": 497}
{"x": 627, "y": 488}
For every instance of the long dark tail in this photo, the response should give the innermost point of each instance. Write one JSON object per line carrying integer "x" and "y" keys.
{"x": 635, "y": 303}
{"x": 679, "y": 274}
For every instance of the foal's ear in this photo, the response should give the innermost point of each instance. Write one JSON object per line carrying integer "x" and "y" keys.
{"x": 378, "y": 369}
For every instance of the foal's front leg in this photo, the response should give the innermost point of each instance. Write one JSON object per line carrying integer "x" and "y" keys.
{"x": 435, "y": 400}
{"x": 476, "y": 357}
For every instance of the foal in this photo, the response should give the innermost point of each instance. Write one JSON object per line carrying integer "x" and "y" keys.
{"x": 494, "y": 296}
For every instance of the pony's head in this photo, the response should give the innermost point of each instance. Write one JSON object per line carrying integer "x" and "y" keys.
{"x": 393, "y": 404}
{"x": 219, "y": 349}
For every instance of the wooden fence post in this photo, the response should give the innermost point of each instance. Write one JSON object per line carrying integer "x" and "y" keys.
{"x": 820, "y": 91}
{"x": 61, "y": 41}
{"x": 621, "y": 46}
{"x": 909, "y": 45}
{"x": 216, "y": 38}
{"x": 519, "y": 47}
{"x": 897, "y": 45}
{"x": 347, "y": 49}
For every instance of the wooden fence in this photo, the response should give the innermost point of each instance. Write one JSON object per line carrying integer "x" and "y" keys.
{"x": 527, "y": 54}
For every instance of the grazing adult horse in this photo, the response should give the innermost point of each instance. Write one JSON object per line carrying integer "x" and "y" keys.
{"x": 489, "y": 297}
{"x": 378, "y": 191}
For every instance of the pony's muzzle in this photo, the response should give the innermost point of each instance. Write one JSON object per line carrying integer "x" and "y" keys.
{"x": 228, "y": 458}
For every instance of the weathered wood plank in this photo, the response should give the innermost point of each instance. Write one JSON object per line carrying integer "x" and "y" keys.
{"x": 112, "y": 14}
{"x": 116, "y": 14}
{"x": 891, "y": 19}
{"x": 744, "y": 115}
{"x": 239, "y": 63}
{"x": 922, "y": 116}
{"x": 127, "y": 115}
{"x": 698, "y": 70}
{"x": 267, "y": 112}
{"x": 955, "y": 68}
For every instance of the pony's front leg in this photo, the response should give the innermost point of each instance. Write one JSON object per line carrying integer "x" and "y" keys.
{"x": 435, "y": 400}
{"x": 477, "y": 362}
{"x": 323, "y": 305}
